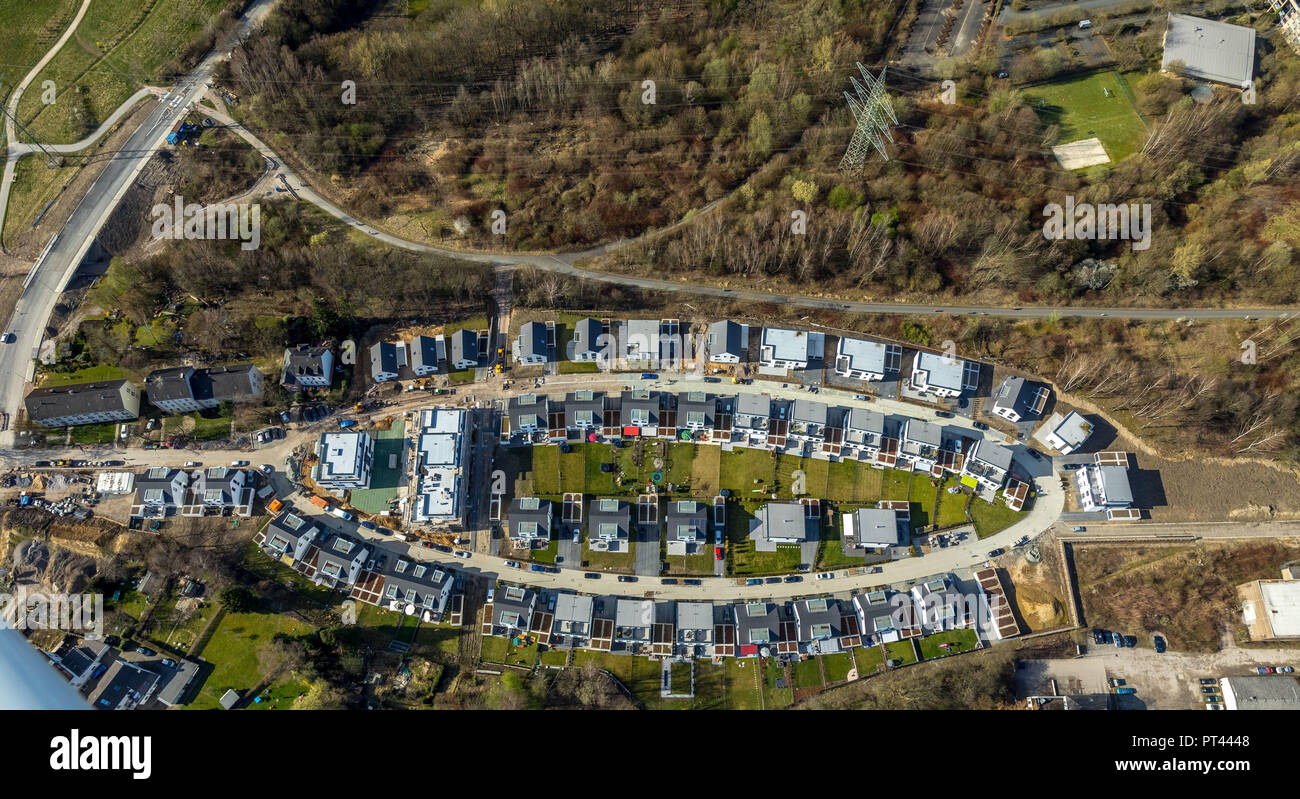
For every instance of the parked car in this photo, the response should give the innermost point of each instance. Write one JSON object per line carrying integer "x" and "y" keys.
{"x": 1130, "y": 641}
{"x": 979, "y": 426}
{"x": 693, "y": 582}
{"x": 368, "y": 525}
{"x": 514, "y": 564}
{"x": 238, "y": 464}
{"x": 945, "y": 414}
{"x": 591, "y": 576}
{"x": 1264, "y": 669}
{"x": 825, "y": 575}
{"x": 146, "y": 651}
{"x": 169, "y": 663}
{"x": 535, "y": 568}
{"x": 794, "y": 578}
{"x": 717, "y": 553}
{"x": 1117, "y": 640}
{"x": 753, "y": 581}
{"x": 993, "y": 553}
{"x": 266, "y": 468}
{"x": 460, "y": 553}
{"x": 623, "y": 578}
{"x": 1159, "y": 643}
{"x": 1069, "y": 467}
{"x": 1126, "y": 690}
{"x": 1287, "y": 669}
{"x": 860, "y": 397}
{"x": 668, "y": 581}
{"x": 193, "y": 464}
{"x": 1215, "y": 707}
{"x": 649, "y": 376}
{"x": 773, "y": 580}
{"x": 1078, "y": 528}
{"x": 1209, "y": 690}
{"x": 1116, "y": 682}
{"x": 1209, "y": 681}
{"x": 8, "y": 338}
{"x": 1212, "y": 699}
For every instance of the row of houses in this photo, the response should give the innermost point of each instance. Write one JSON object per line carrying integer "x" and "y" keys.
{"x": 345, "y": 563}
{"x": 163, "y": 491}
{"x": 822, "y": 625}
{"x": 758, "y": 420}
{"x": 110, "y": 682}
{"x": 180, "y": 389}
{"x": 425, "y": 355}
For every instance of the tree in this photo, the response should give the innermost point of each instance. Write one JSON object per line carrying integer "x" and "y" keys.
{"x": 805, "y": 191}
{"x": 237, "y": 599}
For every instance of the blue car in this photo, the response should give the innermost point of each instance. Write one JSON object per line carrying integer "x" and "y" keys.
{"x": 1117, "y": 640}
{"x": 649, "y": 376}
{"x": 536, "y": 568}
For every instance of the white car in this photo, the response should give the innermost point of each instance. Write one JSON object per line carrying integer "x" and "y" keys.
{"x": 8, "y": 338}
{"x": 825, "y": 575}
{"x": 460, "y": 553}
{"x": 238, "y": 464}
{"x": 193, "y": 464}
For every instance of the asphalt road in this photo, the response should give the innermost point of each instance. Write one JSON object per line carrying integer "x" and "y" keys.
{"x": 56, "y": 266}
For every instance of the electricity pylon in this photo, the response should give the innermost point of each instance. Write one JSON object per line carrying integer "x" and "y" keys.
{"x": 870, "y": 108}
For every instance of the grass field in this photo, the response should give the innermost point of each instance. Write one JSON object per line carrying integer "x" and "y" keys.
{"x": 233, "y": 652}
{"x": 837, "y": 666}
{"x": 993, "y": 517}
{"x": 901, "y": 650}
{"x": 31, "y": 29}
{"x": 957, "y": 640}
{"x": 119, "y": 47}
{"x": 88, "y": 374}
{"x": 1082, "y": 109}
{"x": 807, "y": 673}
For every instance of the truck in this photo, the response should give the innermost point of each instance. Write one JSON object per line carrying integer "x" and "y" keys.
{"x": 180, "y": 131}
{"x": 346, "y": 423}
{"x": 342, "y": 514}
{"x": 320, "y": 503}
{"x": 275, "y": 506}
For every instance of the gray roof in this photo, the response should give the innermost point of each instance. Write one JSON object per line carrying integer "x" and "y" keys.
{"x": 172, "y": 383}
{"x": 586, "y": 336}
{"x": 810, "y": 411}
{"x": 924, "y": 432}
{"x": 1074, "y": 429}
{"x": 575, "y": 609}
{"x": 705, "y": 406}
{"x": 522, "y": 511}
{"x": 225, "y": 383}
{"x": 609, "y": 510}
{"x": 688, "y": 513}
{"x": 1114, "y": 480}
{"x": 866, "y": 420}
{"x": 793, "y": 345}
{"x": 304, "y": 360}
{"x": 383, "y": 357}
{"x": 580, "y": 403}
{"x": 513, "y": 607}
{"x": 941, "y": 370}
{"x": 817, "y": 619}
{"x": 750, "y": 404}
{"x": 1210, "y": 50}
{"x": 695, "y": 616}
{"x": 427, "y": 351}
{"x": 122, "y": 682}
{"x": 1260, "y": 692}
{"x": 781, "y": 520}
{"x": 757, "y": 623}
{"x": 1018, "y": 394}
{"x": 417, "y": 583}
{"x": 178, "y": 680}
{"x": 464, "y": 345}
{"x": 640, "y": 400}
{"x": 865, "y": 355}
{"x": 76, "y": 399}
{"x": 725, "y": 337}
{"x": 876, "y": 527}
{"x": 532, "y": 339}
{"x": 993, "y": 454}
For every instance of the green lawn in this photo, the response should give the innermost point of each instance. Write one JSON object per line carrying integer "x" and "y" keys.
{"x": 743, "y": 691}
{"x": 775, "y": 698}
{"x": 613, "y": 561}
{"x": 958, "y": 641}
{"x": 555, "y": 657}
{"x": 922, "y": 496}
{"x": 990, "y": 518}
{"x": 807, "y": 673}
{"x": 901, "y": 650}
{"x": 95, "y": 433}
{"x": 837, "y": 666}
{"x": 741, "y": 556}
{"x": 211, "y": 425}
{"x": 233, "y": 652}
{"x": 952, "y": 507}
{"x": 868, "y": 484}
{"x": 1080, "y": 106}
{"x": 88, "y": 374}
{"x": 868, "y": 660}
{"x": 830, "y": 552}
{"x": 460, "y": 377}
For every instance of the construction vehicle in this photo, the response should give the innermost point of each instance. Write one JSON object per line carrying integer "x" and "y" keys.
{"x": 359, "y": 407}
{"x": 180, "y": 131}
{"x": 275, "y": 506}
{"x": 320, "y": 503}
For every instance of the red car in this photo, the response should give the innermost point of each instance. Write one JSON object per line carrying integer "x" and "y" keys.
{"x": 717, "y": 553}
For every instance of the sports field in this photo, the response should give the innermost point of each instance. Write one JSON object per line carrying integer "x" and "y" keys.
{"x": 1094, "y": 105}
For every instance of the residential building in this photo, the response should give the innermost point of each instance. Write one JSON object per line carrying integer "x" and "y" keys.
{"x": 609, "y": 524}
{"x": 987, "y": 465}
{"x": 687, "y": 525}
{"x": 727, "y": 341}
{"x": 83, "y": 403}
{"x": 941, "y": 607}
{"x": 572, "y": 624}
{"x": 865, "y": 359}
{"x": 696, "y": 412}
{"x": 386, "y": 360}
{"x": 170, "y": 389}
{"x": 217, "y": 384}
{"x": 511, "y": 611}
{"x": 80, "y": 662}
{"x": 335, "y": 562}
{"x": 1288, "y": 20}
{"x": 764, "y": 628}
{"x": 528, "y": 414}
{"x": 414, "y": 588}
{"x": 1209, "y": 50}
{"x": 1271, "y": 609}
{"x": 791, "y": 349}
{"x": 864, "y": 432}
{"x": 530, "y": 522}
{"x": 782, "y": 524}
{"x": 160, "y": 492}
{"x": 343, "y": 460}
{"x": 1067, "y": 434}
{"x": 1104, "y": 484}
{"x": 531, "y": 346}
{"x": 808, "y": 421}
{"x": 640, "y": 411}
{"x": 464, "y": 349}
{"x": 442, "y": 460}
{"x": 943, "y": 375}
{"x": 124, "y": 686}
{"x": 642, "y": 343}
{"x": 219, "y": 490}
{"x": 1271, "y": 692}
{"x": 428, "y": 355}
{"x": 288, "y": 538}
{"x": 175, "y": 681}
{"x": 824, "y": 627}
{"x": 695, "y": 630}
{"x": 634, "y": 621}
{"x": 307, "y": 366}
{"x": 873, "y": 528}
{"x": 588, "y": 341}
{"x": 920, "y": 443}
{"x": 886, "y": 616}
{"x": 584, "y": 411}
{"x": 1019, "y": 399}
{"x": 752, "y": 419}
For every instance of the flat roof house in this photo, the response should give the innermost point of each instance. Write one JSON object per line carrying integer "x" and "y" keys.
{"x": 83, "y": 403}
{"x": 343, "y": 460}
{"x": 176, "y": 681}
{"x": 428, "y": 354}
{"x": 876, "y": 528}
{"x": 694, "y": 629}
{"x": 572, "y": 623}
{"x": 305, "y": 366}
{"x": 587, "y": 345}
{"x": 808, "y": 421}
{"x": 511, "y": 610}
{"x": 640, "y": 412}
{"x": 386, "y": 358}
{"x": 752, "y": 418}
{"x": 1020, "y": 399}
{"x": 865, "y": 359}
{"x": 764, "y": 626}
{"x": 941, "y": 607}
{"x": 633, "y": 621}
{"x": 609, "y": 524}
{"x": 442, "y": 458}
{"x": 531, "y": 345}
{"x": 942, "y": 375}
{"x": 1271, "y": 609}
{"x": 1069, "y": 433}
{"x": 530, "y": 521}
{"x": 782, "y": 523}
{"x": 864, "y": 430}
{"x": 1208, "y": 50}
{"x": 464, "y": 349}
{"x": 640, "y": 342}
{"x": 727, "y": 341}
{"x": 584, "y": 411}
{"x": 791, "y": 349}
{"x": 920, "y": 442}
{"x": 987, "y": 464}
{"x": 1103, "y": 486}
{"x": 886, "y": 616}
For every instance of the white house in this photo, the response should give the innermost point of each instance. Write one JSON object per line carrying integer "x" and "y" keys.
{"x": 386, "y": 358}
{"x": 944, "y": 376}
{"x": 343, "y": 460}
{"x": 1019, "y": 399}
{"x": 791, "y": 349}
{"x": 865, "y": 359}
{"x": 727, "y": 341}
{"x": 1067, "y": 434}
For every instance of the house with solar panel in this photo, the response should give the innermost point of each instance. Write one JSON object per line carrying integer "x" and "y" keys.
{"x": 864, "y": 359}
{"x": 886, "y": 616}
{"x": 941, "y": 607}
{"x": 528, "y": 415}
{"x": 609, "y": 524}
{"x": 584, "y": 412}
{"x": 824, "y": 627}
{"x": 1018, "y": 399}
{"x": 687, "y": 526}
{"x": 511, "y": 611}
{"x": 530, "y": 522}
{"x": 640, "y": 411}
{"x": 218, "y": 491}
{"x": 588, "y": 345}
{"x": 764, "y": 629}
